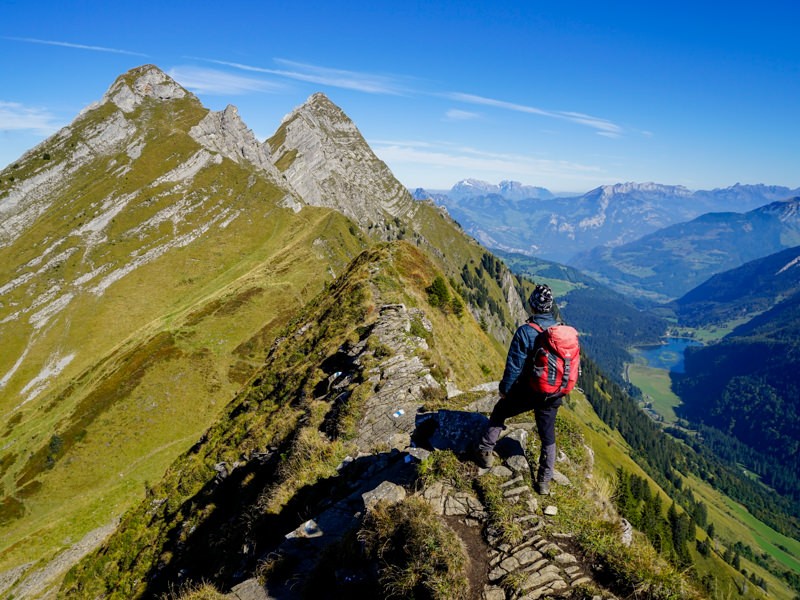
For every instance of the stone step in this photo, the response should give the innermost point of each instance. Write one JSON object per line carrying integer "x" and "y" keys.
{"x": 510, "y": 482}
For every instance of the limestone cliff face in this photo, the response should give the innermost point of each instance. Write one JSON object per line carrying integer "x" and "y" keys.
{"x": 224, "y": 132}
{"x": 327, "y": 161}
{"x": 515, "y": 306}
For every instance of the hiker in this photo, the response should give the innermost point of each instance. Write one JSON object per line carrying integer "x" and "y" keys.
{"x": 519, "y": 394}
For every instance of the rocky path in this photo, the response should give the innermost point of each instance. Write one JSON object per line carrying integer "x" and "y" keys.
{"x": 543, "y": 564}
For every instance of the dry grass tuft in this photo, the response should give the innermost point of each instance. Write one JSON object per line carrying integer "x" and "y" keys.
{"x": 419, "y": 555}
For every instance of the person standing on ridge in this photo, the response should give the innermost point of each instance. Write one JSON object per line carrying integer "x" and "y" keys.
{"x": 518, "y": 388}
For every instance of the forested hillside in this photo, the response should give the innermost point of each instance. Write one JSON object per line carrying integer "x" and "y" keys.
{"x": 747, "y": 386}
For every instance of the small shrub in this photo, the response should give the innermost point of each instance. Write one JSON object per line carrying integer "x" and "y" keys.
{"x": 438, "y": 294}
{"x": 201, "y": 591}
{"x": 418, "y": 330}
{"x": 275, "y": 566}
{"x": 438, "y": 374}
{"x": 379, "y": 349}
{"x": 457, "y": 306}
{"x": 434, "y": 397}
{"x": 443, "y": 465}
{"x": 352, "y": 410}
{"x": 10, "y": 509}
{"x": 512, "y": 583}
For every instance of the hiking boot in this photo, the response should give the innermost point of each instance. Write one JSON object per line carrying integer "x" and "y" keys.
{"x": 543, "y": 488}
{"x": 483, "y": 458}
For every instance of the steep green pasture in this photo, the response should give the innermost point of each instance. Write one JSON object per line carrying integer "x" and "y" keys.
{"x": 733, "y": 522}
{"x": 713, "y": 332}
{"x": 656, "y": 387}
{"x": 278, "y": 409}
{"x": 123, "y": 420}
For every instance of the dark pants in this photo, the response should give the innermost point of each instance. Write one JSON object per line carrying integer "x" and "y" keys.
{"x": 515, "y": 403}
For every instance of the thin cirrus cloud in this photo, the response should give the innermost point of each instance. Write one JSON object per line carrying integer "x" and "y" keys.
{"x": 381, "y": 84}
{"x": 601, "y": 126}
{"x": 215, "y": 82}
{"x": 340, "y": 78}
{"x": 472, "y": 160}
{"x": 75, "y": 46}
{"x": 455, "y": 114}
{"x": 18, "y": 117}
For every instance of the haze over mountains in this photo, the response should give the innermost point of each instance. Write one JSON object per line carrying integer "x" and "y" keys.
{"x": 668, "y": 263}
{"x": 516, "y": 218}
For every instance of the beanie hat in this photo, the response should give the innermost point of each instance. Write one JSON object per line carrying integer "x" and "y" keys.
{"x": 541, "y": 299}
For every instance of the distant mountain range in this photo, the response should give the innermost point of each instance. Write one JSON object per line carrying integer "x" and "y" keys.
{"x": 666, "y": 264}
{"x": 511, "y": 190}
{"x": 525, "y": 219}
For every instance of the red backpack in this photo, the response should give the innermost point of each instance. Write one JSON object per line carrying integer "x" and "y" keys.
{"x": 556, "y": 359}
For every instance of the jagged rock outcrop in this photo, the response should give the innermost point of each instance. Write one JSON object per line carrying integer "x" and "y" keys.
{"x": 147, "y": 81}
{"x": 325, "y": 158}
{"x": 515, "y": 305}
{"x": 51, "y": 166}
{"x": 225, "y": 132}
{"x": 400, "y": 380}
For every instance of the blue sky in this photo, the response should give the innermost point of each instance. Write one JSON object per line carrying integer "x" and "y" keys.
{"x": 565, "y": 95}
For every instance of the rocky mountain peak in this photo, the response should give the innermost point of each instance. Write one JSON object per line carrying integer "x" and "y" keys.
{"x": 787, "y": 211}
{"x": 471, "y": 187}
{"x": 224, "y": 132}
{"x": 511, "y": 190}
{"x": 325, "y": 158}
{"x": 648, "y": 187}
{"x": 147, "y": 81}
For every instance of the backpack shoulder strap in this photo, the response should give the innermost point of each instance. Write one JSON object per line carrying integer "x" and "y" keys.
{"x": 536, "y": 326}
{"x": 541, "y": 329}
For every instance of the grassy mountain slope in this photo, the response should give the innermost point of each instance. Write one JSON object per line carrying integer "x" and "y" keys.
{"x": 139, "y": 301}
{"x": 146, "y": 272}
{"x": 271, "y": 431}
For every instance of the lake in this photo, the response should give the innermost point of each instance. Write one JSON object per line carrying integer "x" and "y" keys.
{"x": 668, "y": 356}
